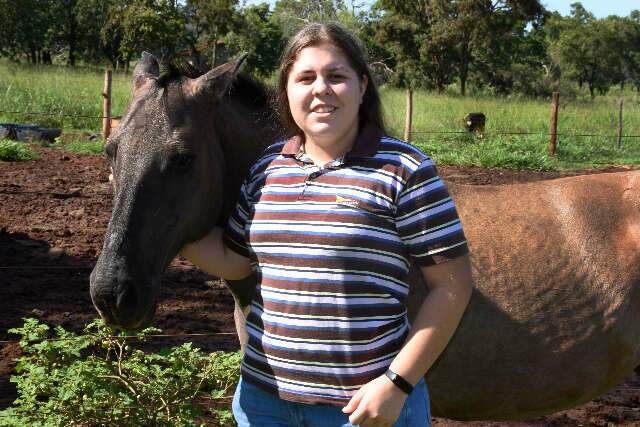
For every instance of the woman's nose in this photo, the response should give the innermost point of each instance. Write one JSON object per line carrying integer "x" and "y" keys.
{"x": 321, "y": 87}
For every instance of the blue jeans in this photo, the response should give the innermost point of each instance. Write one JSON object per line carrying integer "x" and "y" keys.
{"x": 256, "y": 408}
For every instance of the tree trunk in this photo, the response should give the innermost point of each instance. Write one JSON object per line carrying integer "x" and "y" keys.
{"x": 73, "y": 39}
{"x": 592, "y": 91}
{"x": 464, "y": 67}
{"x": 126, "y": 63}
{"x": 213, "y": 53}
{"x": 46, "y": 57}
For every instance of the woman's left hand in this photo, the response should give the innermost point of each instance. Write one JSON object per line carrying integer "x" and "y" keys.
{"x": 378, "y": 403}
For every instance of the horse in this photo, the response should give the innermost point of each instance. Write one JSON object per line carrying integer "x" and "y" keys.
{"x": 554, "y": 319}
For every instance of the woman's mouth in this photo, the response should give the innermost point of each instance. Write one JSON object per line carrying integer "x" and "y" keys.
{"x": 323, "y": 109}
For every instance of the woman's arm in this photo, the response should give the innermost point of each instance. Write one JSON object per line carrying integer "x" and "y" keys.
{"x": 210, "y": 254}
{"x": 450, "y": 287}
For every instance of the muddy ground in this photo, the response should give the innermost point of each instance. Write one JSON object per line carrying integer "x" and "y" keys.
{"x": 53, "y": 215}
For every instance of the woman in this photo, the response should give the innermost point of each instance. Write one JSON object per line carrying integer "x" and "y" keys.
{"x": 330, "y": 220}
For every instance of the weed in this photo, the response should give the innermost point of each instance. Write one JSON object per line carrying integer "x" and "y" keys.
{"x": 100, "y": 379}
{"x": 14, "y": 151}
{"x": 81, "y": 146}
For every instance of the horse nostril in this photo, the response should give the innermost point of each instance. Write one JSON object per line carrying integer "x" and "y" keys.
{"x": 127, "y": 303}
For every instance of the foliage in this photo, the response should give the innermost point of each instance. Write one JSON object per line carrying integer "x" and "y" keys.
{"x": 210, "y": 21}
{"x": 81, "y": 146}
{"x": 502, "y": 46}
{"x": 257, "y": 33}
{"x": 101, "y": 379}
{"x": 13, "y": 151}
{"x": 433, "y": 41}
{"x": 144, "y": 25}
{"x": 292, "y": 15}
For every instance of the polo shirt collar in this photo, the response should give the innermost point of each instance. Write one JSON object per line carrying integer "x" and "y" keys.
{"x": 366, "y": 143}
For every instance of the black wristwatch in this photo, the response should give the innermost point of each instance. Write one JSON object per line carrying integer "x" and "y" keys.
{"x": 402, "y": 384}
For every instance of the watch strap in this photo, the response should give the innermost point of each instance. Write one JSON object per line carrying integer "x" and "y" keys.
{"x": 400, "y": 382}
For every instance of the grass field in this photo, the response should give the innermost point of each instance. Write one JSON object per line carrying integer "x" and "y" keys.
{"x": 73, "y": 96}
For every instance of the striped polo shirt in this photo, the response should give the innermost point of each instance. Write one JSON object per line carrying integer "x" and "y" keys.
{"x": 331, "y": 247}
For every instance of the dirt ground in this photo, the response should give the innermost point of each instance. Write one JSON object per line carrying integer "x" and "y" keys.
{"x": 53, "y": 215}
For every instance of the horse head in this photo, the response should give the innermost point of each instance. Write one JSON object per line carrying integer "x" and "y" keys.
{"x": 169, "y": 176}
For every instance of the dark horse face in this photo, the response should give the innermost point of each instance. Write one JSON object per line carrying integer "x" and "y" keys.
{"x": 168, "y": 172}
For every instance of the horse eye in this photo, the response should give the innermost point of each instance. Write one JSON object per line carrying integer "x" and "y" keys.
{"x": 181, "y": 162}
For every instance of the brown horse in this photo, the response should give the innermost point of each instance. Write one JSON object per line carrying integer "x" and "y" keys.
{"x": 555, "y": 317}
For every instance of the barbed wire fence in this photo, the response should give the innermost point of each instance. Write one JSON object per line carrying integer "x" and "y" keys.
{"x": 500, "y": 132}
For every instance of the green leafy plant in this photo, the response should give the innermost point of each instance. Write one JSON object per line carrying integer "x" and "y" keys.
{"x": 80, "y": 146}
{"x": 13, "y": 150}
{"x": 101, "y": 379}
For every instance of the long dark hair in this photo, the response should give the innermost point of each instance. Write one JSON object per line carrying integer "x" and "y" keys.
{"x": 333, "y": 34}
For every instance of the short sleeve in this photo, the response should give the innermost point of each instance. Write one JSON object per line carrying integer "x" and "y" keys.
{"x": 234, "y": 232}
{"x": 427, "y": 220}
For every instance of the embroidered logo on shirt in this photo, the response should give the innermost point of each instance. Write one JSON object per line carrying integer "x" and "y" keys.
{"x": 346, "y": 201}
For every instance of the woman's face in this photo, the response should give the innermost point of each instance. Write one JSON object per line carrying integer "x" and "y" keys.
{"x": 325, "y": 94}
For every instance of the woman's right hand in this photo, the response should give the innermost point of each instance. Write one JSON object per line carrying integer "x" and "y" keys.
{"x": 211, "y": 255}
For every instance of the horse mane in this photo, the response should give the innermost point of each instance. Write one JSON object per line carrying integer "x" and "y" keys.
{"x": 244, "y": 89}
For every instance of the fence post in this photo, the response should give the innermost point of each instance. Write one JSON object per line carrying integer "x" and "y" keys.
{"x": 620, "y": 124}
{"x": 106, "y": 105}
{"x": 408, "y": 116}
{"x": 553, "y": 128}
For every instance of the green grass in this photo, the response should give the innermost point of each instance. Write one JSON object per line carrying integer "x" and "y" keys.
{"x": 77, "y": 93}
{"x": 81, "y": 146}
{"x": 11, "y": 151}
{"x": 72, "y": 97}
{"x": 435, "y": 115}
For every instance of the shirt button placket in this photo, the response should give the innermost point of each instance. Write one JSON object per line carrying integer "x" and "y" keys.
{"x": 310, "y": 177}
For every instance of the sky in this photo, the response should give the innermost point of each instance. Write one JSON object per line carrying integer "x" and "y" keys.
{"x": 600, "y": 8}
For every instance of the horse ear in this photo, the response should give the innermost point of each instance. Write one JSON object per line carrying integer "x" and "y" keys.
{"x": 220, "y": 78}
{"x": 147, "y": 68}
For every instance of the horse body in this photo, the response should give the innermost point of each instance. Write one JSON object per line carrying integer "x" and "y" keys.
{"x": 554, "y": 320}
{"x": 555, "y": 317}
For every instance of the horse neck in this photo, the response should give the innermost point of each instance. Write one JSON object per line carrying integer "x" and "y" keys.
{"x": 243, "y": 134}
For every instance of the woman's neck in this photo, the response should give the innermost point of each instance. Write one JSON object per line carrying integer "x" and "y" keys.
{"x": 324, "y": 150}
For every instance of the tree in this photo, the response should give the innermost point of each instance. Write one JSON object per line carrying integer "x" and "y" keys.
{"x": 215, "y": 18}
{"x": 452, "y": 37}
{"x": 292, "y": 15}
{"x": 257, "y": 33}
{"x": 421, "y": 48}
{"x": 585, "y": 49}
{"x": 144, "y": 25}
{"x": 24, "y": 29}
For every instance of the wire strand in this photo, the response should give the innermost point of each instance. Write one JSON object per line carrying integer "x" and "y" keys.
{"x": 435, "y": 132}
{"x": 127, "y": 337}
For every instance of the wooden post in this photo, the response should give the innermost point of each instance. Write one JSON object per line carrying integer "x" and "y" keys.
{"x": 106, "y": 105}
{"x": 553, "y": 128}
{"x": 408, "y": 116}
{"x": 620, "y": 124}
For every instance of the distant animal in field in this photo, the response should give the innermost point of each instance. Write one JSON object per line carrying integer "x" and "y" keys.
{"x": 554, "y": 320}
